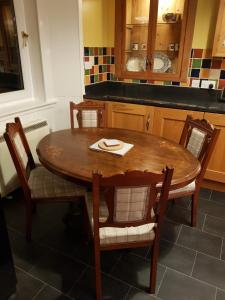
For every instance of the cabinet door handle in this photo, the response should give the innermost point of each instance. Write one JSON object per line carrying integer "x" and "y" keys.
{"x": 148, "y": 122}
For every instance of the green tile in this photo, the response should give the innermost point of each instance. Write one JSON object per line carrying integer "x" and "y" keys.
{"x": 167, "y": 83}
{"x": 100, "y": 51}
{"x": 196, "y": 63}
{"x": 136, "y": 81}
{"x": 108, "y": 60}
{"x": 87, "y": 72}
{"x": 91, "y": 51}
{"x": 104, "y": 68}
{"x": 95, "y": 78}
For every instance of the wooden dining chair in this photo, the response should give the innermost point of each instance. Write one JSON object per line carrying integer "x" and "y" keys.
{"x": 199, "y": 137}
{"x": 89, "y": 114}
{"x": 128, "y": 214}
{"x": 38, "y": 184}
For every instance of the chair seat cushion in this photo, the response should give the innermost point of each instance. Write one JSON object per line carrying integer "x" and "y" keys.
{"x": 114, "y": 235}
{"x": 44, "y": 184}
{"x": 186, "y": 190}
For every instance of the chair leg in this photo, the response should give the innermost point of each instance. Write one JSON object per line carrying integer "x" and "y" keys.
{"x": 98, "y": 273}
{"x": 29, "y": 208}
{"x": 194, "y": 207}
{"x": 153, "y": 271}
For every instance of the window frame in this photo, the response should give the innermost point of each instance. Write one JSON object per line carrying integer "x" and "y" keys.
{"x": 27, "y": 91}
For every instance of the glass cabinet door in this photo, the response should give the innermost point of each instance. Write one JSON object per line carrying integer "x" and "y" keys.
{"x": 136, "y": 35}
{"x": 168, "y": 37}
{"x": 153, "y": 38}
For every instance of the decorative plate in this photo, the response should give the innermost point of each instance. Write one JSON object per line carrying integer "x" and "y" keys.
{"x": 136, "y": 64}
{"x": 161, "y": 62}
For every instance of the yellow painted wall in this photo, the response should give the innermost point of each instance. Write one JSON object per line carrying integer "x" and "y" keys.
{"x": 205, "y": 24}
{"x": 99, "y": 16}
{"x": 98, "y": 23}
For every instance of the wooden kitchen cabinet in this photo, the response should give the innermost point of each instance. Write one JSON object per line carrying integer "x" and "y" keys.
{"x": 169, "y": 123}
{"x": 216, "y": 167}
{"x": 130, "y": 116}
{"x": 219, "y": 38}
{"x": 153, "y": 38}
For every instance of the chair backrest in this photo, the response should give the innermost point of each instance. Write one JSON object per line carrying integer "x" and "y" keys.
{"x": 89, "y": 114}
{"x": 130, "y": 197}
{"x": 20, "y": 152}
{"x": 199, "y": 137}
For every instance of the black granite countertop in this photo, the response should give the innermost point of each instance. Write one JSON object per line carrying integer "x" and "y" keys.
{"x": 156, "y": 95}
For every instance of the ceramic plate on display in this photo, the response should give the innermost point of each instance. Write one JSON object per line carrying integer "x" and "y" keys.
{"x": 136, "y": 64}
{"x": 161, "y": 62}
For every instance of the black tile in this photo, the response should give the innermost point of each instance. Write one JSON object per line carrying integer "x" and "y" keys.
{"x": 92, "y": 78}
{"x": 218, "y": 197}
{"x": 86, "y": 51}
{"x": 108, "y": 76}
{"x": 178, "y": 286}
{"x": 112, "y": 60}
{"x": 215, "y": 226}
{"x": 135, "y": 271}
{"x": 222, "y": 74}
{"x": 176, "y": 257}
{"x": 112, "y": 289}
{"x": 176, "y": 83}
{"x": 220, "y": 295}
{"x": 96, "y": 60}
{"x": 100, "y": 69}
{"x": 205, "y": 193}
{"x": 212, "y": 208}
{"x": 27, "y": 287}
{"x": 104, "y": 50}
{"x": 143, "y": 81}
{"x": 195, "y": 73}
{"x": 135, "y": 294}
{"x": 210, "y": 270}
{"x": 48, "y": 293}
{"x": 26, "y": 254}
{"x": 57, "y": 270}
{"x": 170, "y": 231}
{"x": 200, "y": 241}
{"x": 206, "y": 63}
{"x": 182, "y": 215}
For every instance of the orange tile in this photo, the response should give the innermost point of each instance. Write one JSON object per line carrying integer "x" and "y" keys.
{"x": 100, "y": 60}
{"x": 158, "y": 82}
{"x": 112, "y": 68}
{"x": 221, "y": 84}
{"x": 108, "y": 51}
{"x": 96, "y": 70}
{"x": 223, "y": 64}
{"x": 104, "y": 76}
{"x": 204, "y": 73}
{"x": 207, "y": 53}
{"x": 87, "y": 79}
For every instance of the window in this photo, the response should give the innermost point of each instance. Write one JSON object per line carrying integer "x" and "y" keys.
{"x": 11, "y": 78}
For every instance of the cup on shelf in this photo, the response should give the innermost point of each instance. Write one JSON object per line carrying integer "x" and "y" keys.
{"x": 135, "y": 46}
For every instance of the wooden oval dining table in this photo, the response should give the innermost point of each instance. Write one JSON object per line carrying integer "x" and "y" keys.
{"x": 67, "y": 154}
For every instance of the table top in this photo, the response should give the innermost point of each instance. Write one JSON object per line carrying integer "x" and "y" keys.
{"x": 67, "y": 154}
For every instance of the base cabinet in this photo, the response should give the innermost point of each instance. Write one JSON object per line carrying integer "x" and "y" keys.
{"x": 216, "y": 167}
{"x": 130, "y": 116}
{"x": 169, "y": 123}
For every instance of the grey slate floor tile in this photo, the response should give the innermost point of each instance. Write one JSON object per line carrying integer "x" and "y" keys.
{"x": 176, "y": 257}
{"x": 220, "y": 295}
{"x": 178, "y": 286}
{"x": 210, "y": 270}
{"x": 135, "y": 294}
{"x": 212, "y": 208}
{"x": 218, "y": 197}
{"x": 200, "y": 241}
{"x": 49, "y": 293}
{"x": 170, "y": 230}
{"x": 58, "y": 271}
{"x": 84, "y": 289}
{"x": 215, "y": 226}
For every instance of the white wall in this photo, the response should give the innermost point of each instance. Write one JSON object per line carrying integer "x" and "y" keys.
{"x": 55, "y": 56}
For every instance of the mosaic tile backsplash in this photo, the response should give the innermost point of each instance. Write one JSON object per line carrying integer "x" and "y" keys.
{"x": 99, "y": 65}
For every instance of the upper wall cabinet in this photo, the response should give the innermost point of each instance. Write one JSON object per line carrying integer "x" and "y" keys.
{"x": 219, "y": 39}
{"x": 153, "y": 38}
